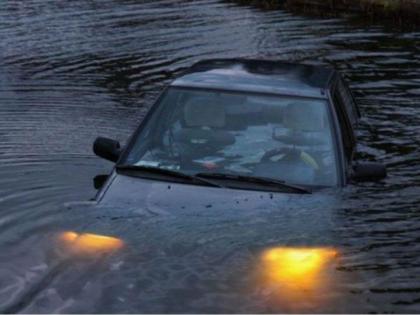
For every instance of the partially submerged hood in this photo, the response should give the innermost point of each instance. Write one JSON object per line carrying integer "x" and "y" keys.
{"x": 168, "y": 196}
{"x": 177, "y": 247}
{"x": 132, "y": 196}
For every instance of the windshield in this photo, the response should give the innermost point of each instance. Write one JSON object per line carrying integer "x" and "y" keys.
{"x": 280, "y": 137}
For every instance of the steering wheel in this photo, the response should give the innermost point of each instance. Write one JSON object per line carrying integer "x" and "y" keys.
{"x": 290, "y": 153}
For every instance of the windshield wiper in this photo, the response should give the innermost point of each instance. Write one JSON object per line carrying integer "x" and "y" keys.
{"x": 166, "y": 172}
{"x": 257, "y": 180}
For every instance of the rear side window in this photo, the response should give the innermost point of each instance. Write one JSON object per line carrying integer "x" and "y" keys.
{"x": 348, "y": 102}
{"x": 346, "y": 125}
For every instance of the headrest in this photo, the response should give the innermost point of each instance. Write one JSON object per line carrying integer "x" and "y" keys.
{"x": 273, "y": 114}
{"x": 304, "y": 116}
{"x": 204, "y": 111}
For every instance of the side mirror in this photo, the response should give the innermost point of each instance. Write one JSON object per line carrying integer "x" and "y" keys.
{"x": 107, "y": 148}
{"x": 368, "y": 171}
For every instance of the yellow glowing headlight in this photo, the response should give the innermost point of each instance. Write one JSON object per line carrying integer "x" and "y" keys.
{"x": 90, "y": 243}
{"x": 301, "y": 277}
{"x": 296, "y": 262}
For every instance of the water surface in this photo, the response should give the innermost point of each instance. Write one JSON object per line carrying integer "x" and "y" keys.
{"x": 72, "y": 71}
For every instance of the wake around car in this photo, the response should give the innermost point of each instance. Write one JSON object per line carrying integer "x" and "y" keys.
{"x": 244, "y": 125}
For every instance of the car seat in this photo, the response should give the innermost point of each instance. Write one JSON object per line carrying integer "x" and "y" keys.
{"x": 202, "y": 131}
{"x": 306, "y": 124}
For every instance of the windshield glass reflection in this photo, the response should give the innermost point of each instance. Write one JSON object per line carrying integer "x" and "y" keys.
{"x": 280, "y": 137}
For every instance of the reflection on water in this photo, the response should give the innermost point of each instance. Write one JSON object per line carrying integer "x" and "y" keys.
{"x": 300, "y": 277}
{"x": 71, "y": 71}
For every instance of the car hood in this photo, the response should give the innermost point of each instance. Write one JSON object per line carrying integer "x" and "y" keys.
{"x": 135, "y": 191}
{"x": 133, "y": 196}
{"x": 203, "y": 250}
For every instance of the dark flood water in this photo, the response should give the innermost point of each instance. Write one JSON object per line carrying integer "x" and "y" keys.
{"x": 70, "y": 71}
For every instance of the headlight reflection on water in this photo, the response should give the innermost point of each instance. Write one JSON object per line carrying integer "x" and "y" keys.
{"x": 87, "y": 243}
{"x": 298, "y": 277}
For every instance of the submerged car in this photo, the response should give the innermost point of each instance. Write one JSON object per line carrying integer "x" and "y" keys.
{"x": 245, "y": 125}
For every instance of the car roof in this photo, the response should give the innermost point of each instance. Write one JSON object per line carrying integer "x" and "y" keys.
{"x": 263, "y": 76}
